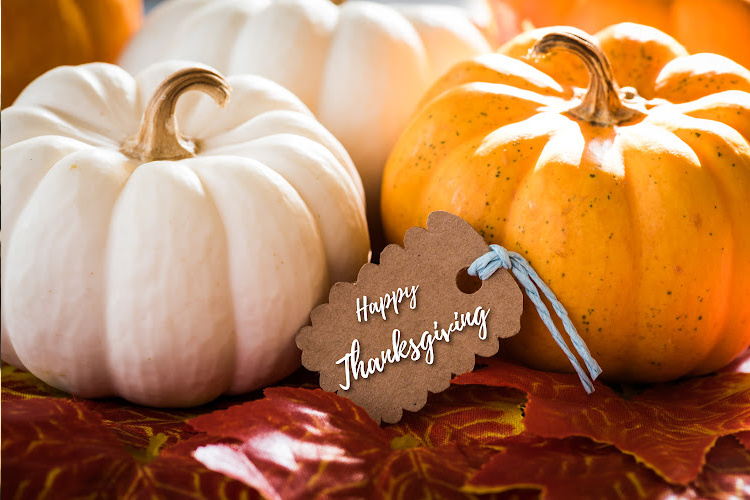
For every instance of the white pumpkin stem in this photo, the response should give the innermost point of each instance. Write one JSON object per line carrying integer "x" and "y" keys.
{"x": 601, "y": 105}
{"x": 159, "y": 138}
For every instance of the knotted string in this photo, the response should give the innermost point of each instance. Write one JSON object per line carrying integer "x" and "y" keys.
{"x": 498, "y": 257}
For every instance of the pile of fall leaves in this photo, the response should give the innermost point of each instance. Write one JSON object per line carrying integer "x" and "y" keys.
{"x": 502, "y": 431}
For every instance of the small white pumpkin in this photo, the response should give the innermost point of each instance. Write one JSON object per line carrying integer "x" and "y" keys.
{"x": 168, "y": 265}
{"x": 360, "y": 67}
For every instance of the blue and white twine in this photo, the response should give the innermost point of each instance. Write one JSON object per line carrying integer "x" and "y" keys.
{"x": 498, "y": 257}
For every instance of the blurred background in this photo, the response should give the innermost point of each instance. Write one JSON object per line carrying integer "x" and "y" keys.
{"x": 39, "y": 35}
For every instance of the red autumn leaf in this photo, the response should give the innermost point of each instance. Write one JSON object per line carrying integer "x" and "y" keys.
{"x": 308, "y": 473}
{"x": 298, "y": 443}
{"x": 290, "y": 436}
{"x": 56, "y": 448}
{"x": 567, "y": 468}
{"x": 727, "y": 472}
{"x": 668, "y": 427}
{"x": 20, "y": 384}
{"x": 176, "y": 474}
{"x": 464, "y": 416}
{"x": 423, "y": 473}
{"x": 135, "y": 425}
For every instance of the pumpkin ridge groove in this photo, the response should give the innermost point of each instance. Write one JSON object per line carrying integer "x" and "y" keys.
{"x": 94, "y": 139}
{"x": 720, "y": 184}
{"x": 111, "y": 385}
{"x": 636, "y": 252}
{"x": 230, "y": 303}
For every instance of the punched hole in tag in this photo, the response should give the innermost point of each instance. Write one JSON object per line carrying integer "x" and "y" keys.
{"x": 467, "y": 283}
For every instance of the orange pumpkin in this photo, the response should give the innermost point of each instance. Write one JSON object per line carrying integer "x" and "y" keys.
{"x": 719, "y": 26}
{"x": 633, "y": 203}
{"x": 42, "y": 34}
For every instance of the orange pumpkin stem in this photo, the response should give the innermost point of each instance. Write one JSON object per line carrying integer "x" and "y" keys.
{"x": 159, "y": 138}
{"x": 601, "y": 105}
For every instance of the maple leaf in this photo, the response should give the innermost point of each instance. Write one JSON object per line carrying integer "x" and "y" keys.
{"x": 299, "y": 443}
{"x": 464, "y": 415}
{"x": 425, "y": 473}
{"x": 57, "y": 448}
{"x": 727, "y": 472}
{"x": 668, "y": 427}
{"x": 567, "y": 468}
{"x": 136, "y": 425}
{"x": 20, "y": 384}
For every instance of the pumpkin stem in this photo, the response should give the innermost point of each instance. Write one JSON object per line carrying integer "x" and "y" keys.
{"x": 159, "y": 138}
{"x": 601, "y": 105}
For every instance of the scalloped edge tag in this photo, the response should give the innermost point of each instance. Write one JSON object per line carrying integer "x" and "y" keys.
{"x": 407, "y": 325}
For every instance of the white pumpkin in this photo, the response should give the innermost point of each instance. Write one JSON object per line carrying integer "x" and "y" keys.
{"x": 360, "y": 67}
{"x": 168, "y": 267}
